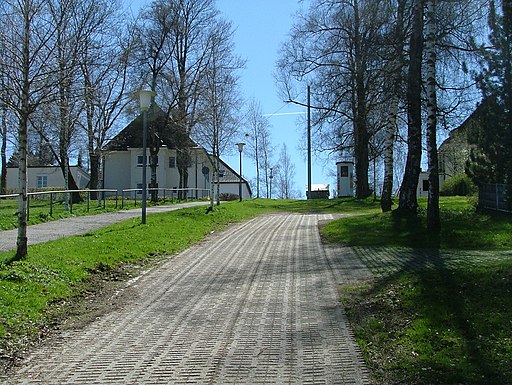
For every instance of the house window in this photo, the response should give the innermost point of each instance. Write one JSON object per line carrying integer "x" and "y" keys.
{"x": 140, "y": 160}
{"x": 344, "y": 171}
{"x": 172, "y": 162}
{"x": 148, "y": 160}
{"x": 42, "y": 181}
{"x": 425, "y": 185}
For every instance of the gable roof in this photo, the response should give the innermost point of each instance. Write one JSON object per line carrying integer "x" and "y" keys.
{"x": 230, "y": 175}
{"x": 161, "y": 131}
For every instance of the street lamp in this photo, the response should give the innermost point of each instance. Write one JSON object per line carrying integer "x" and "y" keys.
{"x": 240, "y": 149}
{"x": 271, "y": 177}
{"x": 145, "y": 97}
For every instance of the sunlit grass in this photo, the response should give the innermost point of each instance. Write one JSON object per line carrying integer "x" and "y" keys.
{"x": 462, "y": 227}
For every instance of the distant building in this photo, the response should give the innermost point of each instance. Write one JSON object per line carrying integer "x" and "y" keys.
{"x": 318, "y": 191}
{"x": 44, "y": 177}
{"x": 123, "y": 161}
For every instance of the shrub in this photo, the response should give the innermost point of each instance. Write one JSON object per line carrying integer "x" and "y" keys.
{"x": 229, "y": 197}
{"x": 460, "y": 184}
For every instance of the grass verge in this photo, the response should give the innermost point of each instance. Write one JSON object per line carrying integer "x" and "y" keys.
{"x": 462, "y": 228}
{"x": 439, "y": 309}
{"x": 39, "y": 210}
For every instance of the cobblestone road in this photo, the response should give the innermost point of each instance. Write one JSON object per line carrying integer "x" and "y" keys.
{"x": 256, "y": 304}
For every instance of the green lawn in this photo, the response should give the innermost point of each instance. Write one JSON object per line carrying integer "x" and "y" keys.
{"x": 439, "y": 310}
{"x": 462, "y": 228}
{"x": 41, "y": 211}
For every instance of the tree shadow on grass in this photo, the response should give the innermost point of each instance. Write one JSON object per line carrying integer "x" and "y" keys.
{"x": 435, "y": 338}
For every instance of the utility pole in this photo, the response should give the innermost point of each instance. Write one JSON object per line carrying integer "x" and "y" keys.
{"x": 309, "y": 143}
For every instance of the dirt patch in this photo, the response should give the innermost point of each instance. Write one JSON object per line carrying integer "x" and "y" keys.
{"x": 107, "y": 289}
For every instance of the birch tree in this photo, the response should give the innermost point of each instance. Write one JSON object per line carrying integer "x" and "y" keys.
{"x": 259, "y": 147}
{"x": 175, "y": 49}
{"x": 219, "y": 117}
{"x": 27, "y": 34}
{"x": 104, "y": 65}
{"x": 433, "y": 219}
{"x": 285, "y": 175}
{"x": 393, "y": 86}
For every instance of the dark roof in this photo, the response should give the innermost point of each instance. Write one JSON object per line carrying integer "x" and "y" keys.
{"x": 161, "y": 130}
{"x": 231, "y": 176}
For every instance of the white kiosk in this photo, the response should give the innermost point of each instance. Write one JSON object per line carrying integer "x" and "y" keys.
{"x": 345, "y": 179}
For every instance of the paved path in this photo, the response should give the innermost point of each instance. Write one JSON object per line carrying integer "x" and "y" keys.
{"x": 50, "y": 231}
{"x": 255, "y": 304}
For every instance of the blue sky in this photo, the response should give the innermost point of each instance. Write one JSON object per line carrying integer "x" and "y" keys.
{"x": 261, "y": 26}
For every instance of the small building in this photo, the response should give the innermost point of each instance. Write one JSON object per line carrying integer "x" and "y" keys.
{"x": 422, "y": 189}
{"x": 345, "y": 179}
{"x": 318, "y": 191}
{"x": 123, "y": 161}
{"x": 43, "y": 177}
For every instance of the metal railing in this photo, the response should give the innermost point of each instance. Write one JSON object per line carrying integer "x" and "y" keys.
{"x": 52, "y": 194}
{"x": 493, "y": 197}
{"x": 164, "y": 193}
{"x": 134, "y": 193}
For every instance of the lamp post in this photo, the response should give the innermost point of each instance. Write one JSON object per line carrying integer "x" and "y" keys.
{"x": 145, "y": 97}
{"x": 240, "y": 149}
{"x": 271, "y": 177}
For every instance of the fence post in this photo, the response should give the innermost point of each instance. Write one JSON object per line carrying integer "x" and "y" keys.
{"x": 497, "y": 196}
{"x": 28, "y": 207}
{"x": 88, "y": 199}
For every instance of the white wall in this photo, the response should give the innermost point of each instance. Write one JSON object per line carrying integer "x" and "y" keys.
{"x": 117, "y": 170}
{"x": 53, "y": 174}
{"x": 233, "y": 188}
{"x": 122, "y": 172}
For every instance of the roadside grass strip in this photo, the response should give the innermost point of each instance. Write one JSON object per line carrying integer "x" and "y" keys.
{"x": 439, "y": 308}
{"x": 434, "y": 318}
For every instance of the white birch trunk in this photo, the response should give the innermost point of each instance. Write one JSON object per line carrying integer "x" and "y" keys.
{"x": 433, "y": 221}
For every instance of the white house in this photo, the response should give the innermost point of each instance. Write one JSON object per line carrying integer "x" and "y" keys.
{"x": 47, "y": 177}
{"x": 123, "y": 161}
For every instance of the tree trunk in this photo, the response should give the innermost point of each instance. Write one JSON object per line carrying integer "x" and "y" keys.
{"x": 408, "y": 202}
{"x": 361, "y": 136}
{"x": 153, "y": 163}
{"x": 21, "y": 241}
{"x": 94, "y": 164}
{"x": 387, "y": 187}
{"x": 397, "y": 62}
{"x": 93, "y": 153}
{"x": 433, "y": 220}
{"x": 75, "y": 196}
{"x": 3, "y": 151}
